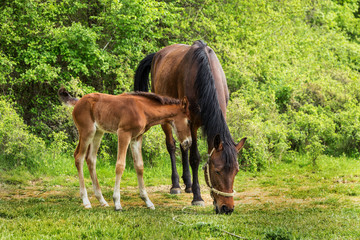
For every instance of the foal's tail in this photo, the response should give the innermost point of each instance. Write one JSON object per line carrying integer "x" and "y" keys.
{"x": 141, "y": 81}
{"x": 66, "y": 98}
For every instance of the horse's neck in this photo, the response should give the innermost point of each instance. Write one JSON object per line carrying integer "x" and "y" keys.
{"x": 161, "y": 114}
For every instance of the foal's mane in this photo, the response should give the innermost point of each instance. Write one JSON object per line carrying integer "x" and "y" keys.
{"x": 158, "y": 98}
{"x": 211, "y": 115}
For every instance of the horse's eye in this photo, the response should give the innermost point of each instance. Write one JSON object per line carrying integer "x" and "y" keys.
{"x": 217, "y": 172}
{"x": 189, "y": 122}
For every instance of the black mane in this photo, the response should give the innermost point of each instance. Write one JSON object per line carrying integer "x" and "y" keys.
{"x": 211, "y": 115}
{"x": 161, "y": 99}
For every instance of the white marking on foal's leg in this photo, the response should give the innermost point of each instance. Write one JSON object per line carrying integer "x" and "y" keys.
{"x": 116, "y": 195}
{"x": 145, "y": 198}
{"x": 84, "y": 197}
{"x": 139, "y": 167}
{"x": 100, "y": 197}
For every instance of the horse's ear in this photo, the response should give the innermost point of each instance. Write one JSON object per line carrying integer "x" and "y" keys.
{"x": 240, "y": 145}
{"x": 185, "y": 103}
{"x": 218, "y": 143}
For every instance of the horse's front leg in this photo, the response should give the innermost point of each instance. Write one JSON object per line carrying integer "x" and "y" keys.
{"x": 170, "y": 145}
{"x": 123, "y": 143}
{"x": 139, "y": 167}
{"x": 194, "y": 163}
{"x": 186, "y": 176}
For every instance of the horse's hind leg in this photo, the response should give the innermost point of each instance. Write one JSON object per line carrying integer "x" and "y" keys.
{"x": 139, "y": 167}
{"x": 79, "y": 155}
{"x": 91, "y": 162}
{"x": 170, "y": 145}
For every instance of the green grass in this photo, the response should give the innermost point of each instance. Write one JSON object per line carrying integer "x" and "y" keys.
{"x": 292, "y": 200}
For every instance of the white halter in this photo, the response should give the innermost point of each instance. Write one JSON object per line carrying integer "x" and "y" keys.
{"x": 208, "y": 181}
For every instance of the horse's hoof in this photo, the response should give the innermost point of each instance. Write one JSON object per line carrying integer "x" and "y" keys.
{"x": 188, "y": 190}
{"x": 118, "y": 208}
{"x": 152, "y": 207}
{"x": 198, "y": 203}
{"x": 175, "y": 191}
{"x": 105, "y": 204}
{"x": 87, "y": 206}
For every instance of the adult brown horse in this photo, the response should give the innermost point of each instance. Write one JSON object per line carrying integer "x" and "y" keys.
{"x": 129, "y": 116}
{"x": 195, "y": 72}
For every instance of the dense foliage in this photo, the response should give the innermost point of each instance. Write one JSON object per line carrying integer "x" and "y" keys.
{"x": 292, "y": 67}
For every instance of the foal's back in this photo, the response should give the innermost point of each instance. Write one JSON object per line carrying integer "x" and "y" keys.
{"x": 108, "y": 112}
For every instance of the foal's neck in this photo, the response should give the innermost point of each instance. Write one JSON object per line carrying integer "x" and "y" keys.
{"x": 161, "y": 114}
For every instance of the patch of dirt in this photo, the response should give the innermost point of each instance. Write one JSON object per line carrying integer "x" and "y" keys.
{"x": 159, "y": 195}
{"x": 261, "y": 196}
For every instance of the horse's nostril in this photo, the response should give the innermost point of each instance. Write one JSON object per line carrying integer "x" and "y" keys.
{"x": 226, "y": 210}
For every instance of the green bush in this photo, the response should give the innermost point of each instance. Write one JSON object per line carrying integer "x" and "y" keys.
{"x": 18, "y": 146}
{"x": 265, "y": 131}
{"x": 348, "y": 130}
{"x": 154, "y": 146}
{"x": 292, "y": 67}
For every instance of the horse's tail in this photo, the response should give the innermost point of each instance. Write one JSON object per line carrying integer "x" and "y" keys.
{"x": 66, "y": 98}
{"x": 141, "y": 81}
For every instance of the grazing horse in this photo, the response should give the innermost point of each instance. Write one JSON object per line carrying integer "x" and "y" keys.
{"x": 195, "y": 72}
{"x": 129, "y": 116}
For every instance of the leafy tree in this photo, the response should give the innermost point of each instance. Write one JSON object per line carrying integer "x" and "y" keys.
{"x": 292, "y": 66}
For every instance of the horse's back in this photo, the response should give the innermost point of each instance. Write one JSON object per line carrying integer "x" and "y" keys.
{"x": 174, "y": 73}
{"x": 166, "y": 74}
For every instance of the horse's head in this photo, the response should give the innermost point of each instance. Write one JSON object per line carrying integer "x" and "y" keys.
{"x": 220, "y": 171}
{"x": 181, "y": 124}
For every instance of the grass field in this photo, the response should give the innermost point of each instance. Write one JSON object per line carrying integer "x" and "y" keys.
{"x": 289, "y": 200}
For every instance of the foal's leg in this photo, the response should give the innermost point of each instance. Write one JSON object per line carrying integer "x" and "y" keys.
{"x": 170, "y": 145}
{"x": 139, "y": 167}
{"x": 123, "y": 143}
{"x": 79, "y": 155}
{"x": 194, "y": 162}
{"x": 91, "y": 162}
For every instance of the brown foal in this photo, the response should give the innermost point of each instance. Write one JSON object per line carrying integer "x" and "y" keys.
{"x": 129, "y": 116}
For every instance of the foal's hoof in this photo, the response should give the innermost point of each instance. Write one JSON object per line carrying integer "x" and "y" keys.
{"x": 175, "y": 191}
{"x": 188, "y": 190}
{"x": 198, "y": 203}
{"x": 105, "y": 204}
{"x": 118, "y": 208}
{"x": 87, "y": 206}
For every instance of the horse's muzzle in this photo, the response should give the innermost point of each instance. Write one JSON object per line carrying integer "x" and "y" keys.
{"x": 186, "y": 143}
{"x": 223, "y": 209}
